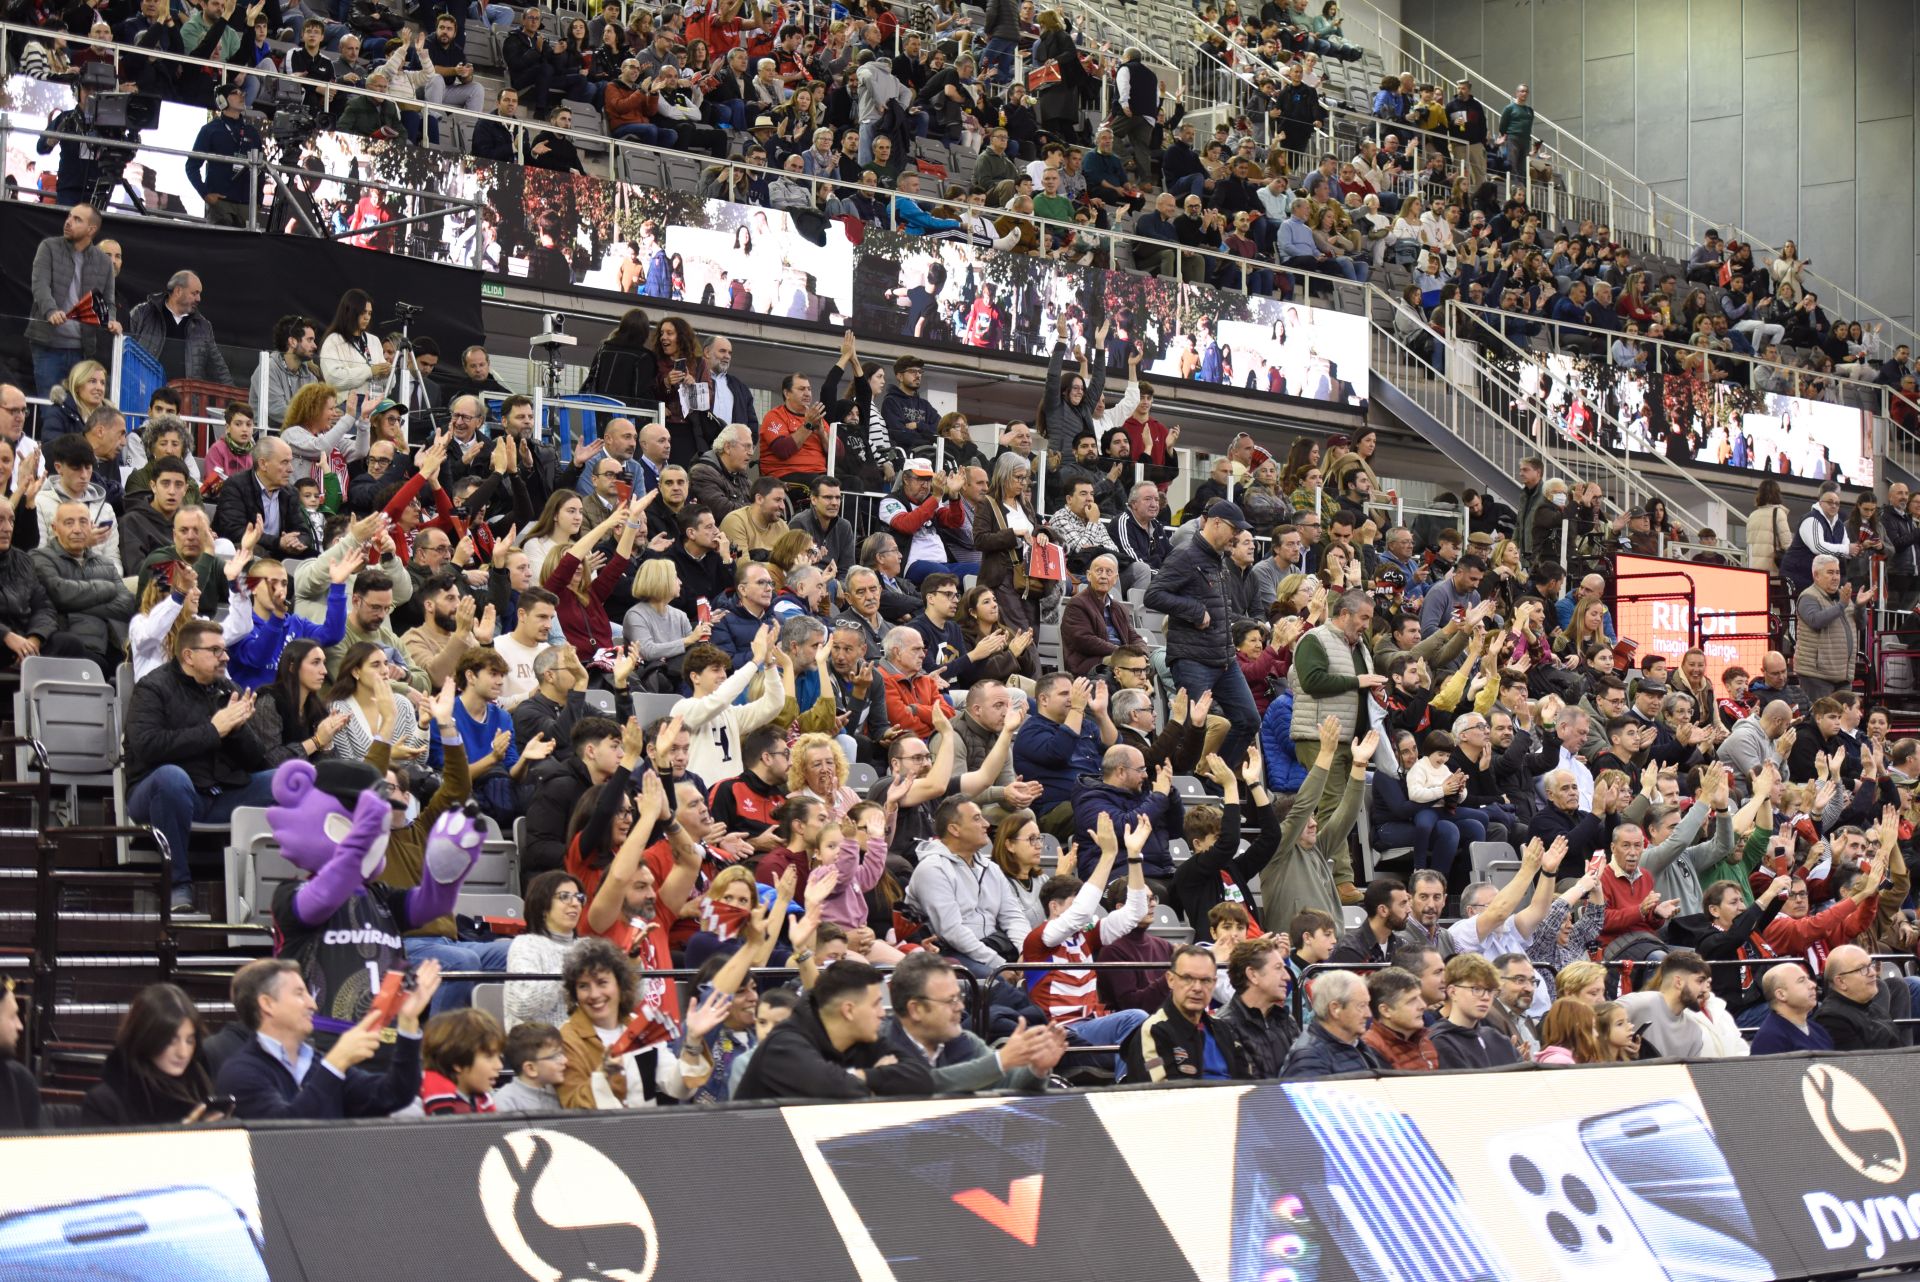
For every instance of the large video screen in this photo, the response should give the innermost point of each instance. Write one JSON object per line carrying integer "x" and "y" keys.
{"x": 1659, "y": 602}
{"x": 1680, "y": 418}
{"x": 954, "y": 293}
{"x": 579, "y": 231}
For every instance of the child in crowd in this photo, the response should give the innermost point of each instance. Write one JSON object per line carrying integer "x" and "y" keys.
{"x": 538, "y": 1061}
{"x": 461, "y": 1062}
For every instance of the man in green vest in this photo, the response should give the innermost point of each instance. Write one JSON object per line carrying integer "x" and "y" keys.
{"x": 1333, "y": 676}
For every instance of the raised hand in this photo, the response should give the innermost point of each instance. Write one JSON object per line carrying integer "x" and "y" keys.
{"x": 538, "y": 750}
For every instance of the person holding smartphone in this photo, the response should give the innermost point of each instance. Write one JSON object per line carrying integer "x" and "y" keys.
{"x": 156, "y": 1073}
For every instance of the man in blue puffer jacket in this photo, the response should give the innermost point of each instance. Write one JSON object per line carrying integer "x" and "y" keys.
{"x": 1285, "y": 774}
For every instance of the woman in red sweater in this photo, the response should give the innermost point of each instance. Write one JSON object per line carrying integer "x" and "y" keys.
{"x": 583, "y": 579}
{"x": 403, "y": 506}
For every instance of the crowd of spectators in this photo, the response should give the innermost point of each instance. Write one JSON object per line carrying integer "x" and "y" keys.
{"x": 1338, "y": 693}
{"x": 1338, "y": 688}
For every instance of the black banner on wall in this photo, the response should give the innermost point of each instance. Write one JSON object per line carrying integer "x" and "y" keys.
{"x": 249, "y": 280}
{"x": 1825, "y": 1151}
{"x": 614, "y": 1197}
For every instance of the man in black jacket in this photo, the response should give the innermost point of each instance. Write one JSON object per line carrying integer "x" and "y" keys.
{"x": 1464, "y": 1038}
{"x": 1180, "y": 1042}
{"x": 830, "y": 1047}
{"x": 265, "y": 492}
{"x": 597, "y": 745}
{"x": 1729, "y": 929}
{"x": 502, "y": 137}
{"x": 279, "y": 1075}
{"x": 1258, "y": 1012}
{"x": 529, "y": 69}
{"x": 192, "y": 755}
{"x": 1848, "y": 1011}
{"x": 1190, "y": 589}
{"x": 554, "y": 150}
{"x": 27, "y": 620}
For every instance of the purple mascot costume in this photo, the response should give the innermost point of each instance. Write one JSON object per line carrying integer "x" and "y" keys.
{"x": 342, "y": 927}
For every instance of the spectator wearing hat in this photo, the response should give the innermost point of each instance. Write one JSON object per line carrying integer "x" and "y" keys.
{"x": 911, "y": 418}
{"x": 1190, "y": 589}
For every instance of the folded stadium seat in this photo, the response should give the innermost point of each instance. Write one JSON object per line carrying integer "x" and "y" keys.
{"x": 861, "y": 776}
{"x": 249, "y": 831}
{"x": 640, "y": 167}
{"x": 488, "y": 905}
{"x": 1047, "y": 646}
{"x": 1178, "y": 850}
{"x": 1484, "y": 854}
{"x": 1352, "y": 915}
{"x": 483, "y": 47}
{"x": 648, "y": 708}
{"x": 1191, "y": 790}
{"x": 491, "y": 998}
{"x": 681, "y": 173}
{"x": 1168, "y": 925}
{"x": 1370, "y": 859}
{"x": 600, "y": 703}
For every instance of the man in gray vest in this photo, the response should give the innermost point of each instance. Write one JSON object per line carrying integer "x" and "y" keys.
{"x": 1332, "y": 676}
{"x": 1826, "y": 644}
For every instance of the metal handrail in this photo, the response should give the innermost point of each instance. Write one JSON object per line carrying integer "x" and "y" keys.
{"x": 1491, "y": 336}
{"x": 1504, "y": 445}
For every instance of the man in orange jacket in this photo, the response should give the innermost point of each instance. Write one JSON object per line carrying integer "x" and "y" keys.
{"x": 912, "y": 695}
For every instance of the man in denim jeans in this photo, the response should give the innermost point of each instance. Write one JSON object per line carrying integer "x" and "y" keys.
{"x": 1189, "y": 588}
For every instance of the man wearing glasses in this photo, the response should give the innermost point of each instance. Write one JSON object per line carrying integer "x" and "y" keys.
{"x": 1180, "y": 1042}
{"x": 192, "y": 755}
{"x": 1848, "y": 1013}
{"x": 1463, "y": 1037}
{"x": 1518, "y": 982}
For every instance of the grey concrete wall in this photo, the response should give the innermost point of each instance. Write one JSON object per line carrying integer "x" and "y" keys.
{"x": 1794, "y": 119}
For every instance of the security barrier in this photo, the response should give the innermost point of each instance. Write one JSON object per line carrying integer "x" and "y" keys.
{"x": 1749, "y": 1170}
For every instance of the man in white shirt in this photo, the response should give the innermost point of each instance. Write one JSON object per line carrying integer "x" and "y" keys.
{"x": 1493, "y": 921}
{"x": 523, "y": 645}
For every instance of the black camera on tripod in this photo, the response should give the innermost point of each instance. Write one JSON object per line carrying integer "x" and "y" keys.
{"x": 407, "y": 313}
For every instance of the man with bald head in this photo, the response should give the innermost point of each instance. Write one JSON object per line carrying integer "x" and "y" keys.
{"x": 1754, "y": 742}
{"x": 265, "y": 493}
{"x": 1592, "y": 588}
{"x": 1773, "y": 684}
{"x": 1126, "y": 792}
{"x": 620, "y": 442}
{"x": 1850, "y": 1013}
{"x": 84, "y": 586}
{"x": 1792, "y": 996}
{"x": 656, "y": 454}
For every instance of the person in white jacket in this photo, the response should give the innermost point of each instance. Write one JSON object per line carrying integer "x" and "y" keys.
{"x": 716, "y": 725}
{"x": 164, "y": 604}
{"x": 1070, "y": 997}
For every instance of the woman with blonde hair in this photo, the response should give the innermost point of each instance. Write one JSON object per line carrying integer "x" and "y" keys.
{"x": 792, "y": 549}
{"x": 1582, "y": 981}
{"x": 1293, "y": 594}
{"x": 83, "y": 391}
{"x": 817, "y": 768}
{"x": 653, "y": 623}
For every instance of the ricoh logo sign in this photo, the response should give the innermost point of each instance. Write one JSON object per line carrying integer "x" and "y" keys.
{"x": 1863, "y": 1136}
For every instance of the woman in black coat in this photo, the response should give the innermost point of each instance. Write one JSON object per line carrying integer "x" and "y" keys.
{"x": 1060, "y": 100}
{"x": 156, "y": 1074}
{"x": 624, "y": 367}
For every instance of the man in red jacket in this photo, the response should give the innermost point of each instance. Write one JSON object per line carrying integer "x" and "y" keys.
{"x": 1632, "y": 902}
